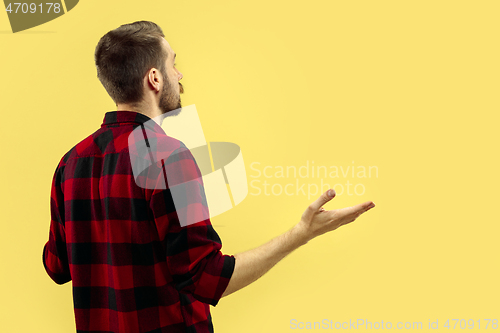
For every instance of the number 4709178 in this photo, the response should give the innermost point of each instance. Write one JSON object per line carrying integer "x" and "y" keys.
{"x": 33, "y": 8}
{"x": 463, "y": 324}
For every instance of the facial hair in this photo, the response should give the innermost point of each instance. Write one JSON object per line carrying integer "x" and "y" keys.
{"x": 170, "y": 104}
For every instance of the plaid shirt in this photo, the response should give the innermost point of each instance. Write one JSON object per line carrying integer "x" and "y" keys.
{"x": 133, "y": 266}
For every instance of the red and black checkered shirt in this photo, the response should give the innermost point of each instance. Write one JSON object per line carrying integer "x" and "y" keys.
{"x": 116, "y": 235}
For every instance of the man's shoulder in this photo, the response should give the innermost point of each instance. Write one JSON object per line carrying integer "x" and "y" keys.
{"x": 68, "y": 155}
{"x": 115, "y": 140}
{"x": 144, "y": 141}
{"x": 138, "y": 142}
{"x": 81, "y": 147}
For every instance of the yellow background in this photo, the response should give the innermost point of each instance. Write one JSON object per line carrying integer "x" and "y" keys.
{"x": 409, "y": 87}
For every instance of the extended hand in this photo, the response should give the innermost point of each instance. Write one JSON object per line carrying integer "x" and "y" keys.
{"x": 316, "y": 220}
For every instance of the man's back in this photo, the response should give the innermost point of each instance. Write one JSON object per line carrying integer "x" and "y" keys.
{"x": 129, "y": 218}
{"x": 133, "y": 265}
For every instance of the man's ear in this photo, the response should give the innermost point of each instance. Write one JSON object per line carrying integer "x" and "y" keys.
{"x": 152, "y": 79}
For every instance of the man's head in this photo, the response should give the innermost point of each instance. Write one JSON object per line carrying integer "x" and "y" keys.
{"x": 136, "y": 66}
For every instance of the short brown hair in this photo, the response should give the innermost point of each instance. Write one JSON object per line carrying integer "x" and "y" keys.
{"x": 124, "y": 55}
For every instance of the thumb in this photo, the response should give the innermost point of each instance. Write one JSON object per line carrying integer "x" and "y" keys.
{"x": 323, "y": 199}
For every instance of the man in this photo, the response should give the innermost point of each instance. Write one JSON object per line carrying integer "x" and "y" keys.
{"x": 133, "y": 266}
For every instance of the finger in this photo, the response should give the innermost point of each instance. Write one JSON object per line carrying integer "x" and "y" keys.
{"x": 360, "y": 208}
{"x": 323, "y": 199}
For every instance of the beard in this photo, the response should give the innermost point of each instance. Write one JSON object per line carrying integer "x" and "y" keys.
{"x": 170, "y": 103}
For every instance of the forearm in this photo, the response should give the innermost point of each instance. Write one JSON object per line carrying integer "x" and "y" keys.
{"x": 315, "y": 221}
{"x": 252, "y": 264}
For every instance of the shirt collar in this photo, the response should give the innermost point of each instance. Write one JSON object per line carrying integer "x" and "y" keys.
{"x": 120, "y": 117}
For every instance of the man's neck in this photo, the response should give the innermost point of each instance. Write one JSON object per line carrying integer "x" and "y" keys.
{"x": 151, "y": 113}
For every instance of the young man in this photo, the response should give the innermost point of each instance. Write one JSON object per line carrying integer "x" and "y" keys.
{"x": 134, "y": 267}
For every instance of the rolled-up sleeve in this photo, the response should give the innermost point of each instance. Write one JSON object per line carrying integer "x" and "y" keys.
{"x": 54, "y": 256}
{"x": 193, "y": 247}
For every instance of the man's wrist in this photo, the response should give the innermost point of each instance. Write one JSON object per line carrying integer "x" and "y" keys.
{"x": 300, "y": 233}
